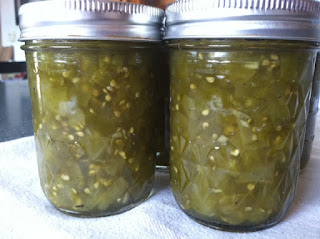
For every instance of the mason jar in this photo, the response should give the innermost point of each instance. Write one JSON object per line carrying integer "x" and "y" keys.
{"x": 93, "y": 72}
{"x": 312, "y": 117}
{"x": 241, "y": 75}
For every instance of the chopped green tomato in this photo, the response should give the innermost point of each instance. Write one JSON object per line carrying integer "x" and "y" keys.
{"x": 237, "y": 123}
{"x": 95, "y": 108}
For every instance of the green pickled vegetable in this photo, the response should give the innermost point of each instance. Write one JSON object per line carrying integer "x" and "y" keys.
{"x": 238, "y": 113}
{"x": 94, "y": 113}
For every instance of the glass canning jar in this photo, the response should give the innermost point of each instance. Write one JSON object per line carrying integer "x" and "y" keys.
{"x": 240, "y": 92}
{"x": 92, "y": 77}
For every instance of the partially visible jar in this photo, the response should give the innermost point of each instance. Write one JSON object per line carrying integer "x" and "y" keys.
{"x": 163, "y": 137}
{"x": 312, "y": 117}
{"x": 239, "y": 103}
{"x": 162, "y": 125}
{"x": 94, "y": 100}
{"x": 162, "y": 130}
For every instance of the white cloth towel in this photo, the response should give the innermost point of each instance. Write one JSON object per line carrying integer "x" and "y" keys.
{"x": 26, "y": 213}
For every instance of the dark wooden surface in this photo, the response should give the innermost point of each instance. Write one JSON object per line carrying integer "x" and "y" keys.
{"x": 11, "y": 67}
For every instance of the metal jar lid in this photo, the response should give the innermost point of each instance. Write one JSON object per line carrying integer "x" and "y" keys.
{"x": 254, "y": 19}
{"x": 89, "y": 19}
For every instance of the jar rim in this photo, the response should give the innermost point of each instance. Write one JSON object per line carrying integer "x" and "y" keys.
{"x": 90, "y": 19}
{"x": 255, "y": 19}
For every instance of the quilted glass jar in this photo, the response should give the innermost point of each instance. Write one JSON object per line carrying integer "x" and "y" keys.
{"x": 93, "y": 81}
{"x": 240, "y": 93}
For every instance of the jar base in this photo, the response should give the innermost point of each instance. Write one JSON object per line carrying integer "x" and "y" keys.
{"x": 229, "y": 228}
{"x": 94, "y": 214}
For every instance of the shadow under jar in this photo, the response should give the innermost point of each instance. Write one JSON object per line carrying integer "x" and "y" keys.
{"x": 94, "y": 103}
{"x": 238, "y": 110}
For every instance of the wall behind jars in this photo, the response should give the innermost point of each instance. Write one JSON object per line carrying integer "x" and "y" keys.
{"x": 9, "y": 29}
